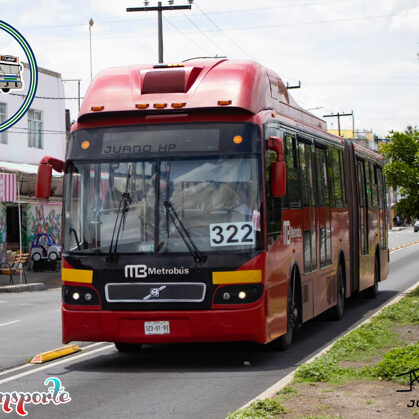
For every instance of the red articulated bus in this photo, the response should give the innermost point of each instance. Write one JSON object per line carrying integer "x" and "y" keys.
{"x": 202, "y": 204}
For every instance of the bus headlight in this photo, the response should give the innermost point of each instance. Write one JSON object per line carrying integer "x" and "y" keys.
{"x": 74, "y": 295}
{"x": 238, "y": 294}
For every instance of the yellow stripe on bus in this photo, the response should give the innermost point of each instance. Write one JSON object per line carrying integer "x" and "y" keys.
{"x": 77, "y": 275}
{"x": 237, "y": 277}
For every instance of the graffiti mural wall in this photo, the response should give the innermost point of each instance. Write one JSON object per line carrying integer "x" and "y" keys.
{"x": 45, "y": 218}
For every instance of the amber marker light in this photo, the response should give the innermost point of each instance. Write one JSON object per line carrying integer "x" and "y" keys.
{"x": 142, "y": 105}
{"x": 178, "y": 105}
{"x": 237, "y": 139}
{"x": 160, "y": 105}
{"x": 224, "y": 102}
{"x": 97, "y": 108}
{"x": 85, "y": 145}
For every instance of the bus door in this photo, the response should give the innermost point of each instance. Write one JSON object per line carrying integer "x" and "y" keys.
{"x": 324, "y": 285}
{"x": 310, "y": 219}
{"x": 324, "y": 211}
{"x": 363, "y": 225}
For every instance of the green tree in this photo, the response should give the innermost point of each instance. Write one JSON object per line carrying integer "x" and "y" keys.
{"x": 402, "y": 171}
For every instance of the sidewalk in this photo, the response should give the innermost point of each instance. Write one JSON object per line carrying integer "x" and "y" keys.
{"x": 37, "y": 281}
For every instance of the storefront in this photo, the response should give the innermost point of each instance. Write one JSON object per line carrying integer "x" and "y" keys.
{"x": 17, "y": 192}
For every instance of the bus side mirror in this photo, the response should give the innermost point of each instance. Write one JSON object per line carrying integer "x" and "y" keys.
{"x": 44, "y": 177}
{"x": 278, "y": 179}
{"x": 278, "y": 171}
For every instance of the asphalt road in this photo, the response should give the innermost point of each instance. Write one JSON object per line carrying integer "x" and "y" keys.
{"x": 167, "y": 381}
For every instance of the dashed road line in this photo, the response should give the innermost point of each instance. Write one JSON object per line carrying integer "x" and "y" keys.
{"x": 9, "y": 323}
{"x": 402, "y": 246}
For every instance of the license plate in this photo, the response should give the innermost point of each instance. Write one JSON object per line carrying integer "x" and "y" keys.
{"x": 156, "y": 328}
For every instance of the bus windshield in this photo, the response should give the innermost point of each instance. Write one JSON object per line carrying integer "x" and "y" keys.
{"x": 216, "y": 198}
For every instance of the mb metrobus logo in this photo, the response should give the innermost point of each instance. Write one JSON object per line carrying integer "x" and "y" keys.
{"x": 12, "y": 63}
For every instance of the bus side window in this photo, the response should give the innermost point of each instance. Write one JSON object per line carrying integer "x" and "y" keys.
{"x": 368, "y": 181}
{"x": 375, "y": 187}
{"x": 330, "y": 177}
{"x": 342, "y": 179}
{"x": 304, "y": 175}
{"x": 293, "y": 199}
{"x": 322, "y": 177}
{"x": 338, "y": 188}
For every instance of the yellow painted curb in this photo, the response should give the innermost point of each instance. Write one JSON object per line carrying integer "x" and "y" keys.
{"x": 404, "y": 245}
{"x": 54, "y": 354}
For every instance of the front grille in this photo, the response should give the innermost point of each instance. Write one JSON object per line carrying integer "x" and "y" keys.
{"x": 155, "y": 292}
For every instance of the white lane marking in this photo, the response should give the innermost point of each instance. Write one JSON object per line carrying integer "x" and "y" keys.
{"x": 8, "y": 323}
{"x": 20, "y": 367}
{"x": 3, "y": 301}
{"x": 53, "y": 364}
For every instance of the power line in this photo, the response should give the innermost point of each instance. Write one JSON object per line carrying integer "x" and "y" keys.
{"x": 186, "y": 36}
{"x": 231, "y": 40}
{"x": 283, "y": 25}
{"x": 202, "y": 32}
{"x": 47, "y": 97}
{"x": 124, "y": 21}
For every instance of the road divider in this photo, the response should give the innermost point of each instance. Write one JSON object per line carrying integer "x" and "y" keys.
{"x": 55, "y": 353}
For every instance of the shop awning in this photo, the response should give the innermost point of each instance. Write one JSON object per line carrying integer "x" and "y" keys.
{"x": 24, "y": 168}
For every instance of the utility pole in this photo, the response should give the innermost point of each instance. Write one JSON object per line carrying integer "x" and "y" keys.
{"x": 338, "y": 115}
{"x": 159, "y": 9}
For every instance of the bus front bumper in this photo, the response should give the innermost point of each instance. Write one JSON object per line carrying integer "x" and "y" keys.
{"x": 185, "y": 326}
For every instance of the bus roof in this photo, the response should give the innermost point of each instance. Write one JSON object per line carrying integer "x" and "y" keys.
{"x": 193, "y": 85}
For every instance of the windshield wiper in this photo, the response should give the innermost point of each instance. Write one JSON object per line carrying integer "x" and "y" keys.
{"x": 183, "y": 232}
{"x": 120, "y": 216}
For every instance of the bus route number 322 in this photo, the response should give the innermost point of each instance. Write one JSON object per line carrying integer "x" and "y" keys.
{"x": 232, "y": 234}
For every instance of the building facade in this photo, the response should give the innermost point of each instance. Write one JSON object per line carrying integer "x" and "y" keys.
{"x": 40, "y": 132}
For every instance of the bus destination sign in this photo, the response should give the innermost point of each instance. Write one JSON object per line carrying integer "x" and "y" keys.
{"x": 8, "y": 59}
{"x": 160, "y": 142}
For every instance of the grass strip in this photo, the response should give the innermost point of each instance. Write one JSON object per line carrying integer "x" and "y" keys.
{"x": 376, "y": 339}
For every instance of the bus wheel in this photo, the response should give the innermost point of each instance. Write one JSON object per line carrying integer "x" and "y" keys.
{"x": 337, "y": 310}
{"x": 128, "y": 347}
{"x": 372, "y": 292}
{"x": 284, "y": 341}
{"x": 6, "y": 90}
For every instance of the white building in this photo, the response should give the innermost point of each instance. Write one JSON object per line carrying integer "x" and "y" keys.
{"x": 40, "y": 132}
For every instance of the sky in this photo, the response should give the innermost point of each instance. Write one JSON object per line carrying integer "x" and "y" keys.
{"x": 349, "y": 55}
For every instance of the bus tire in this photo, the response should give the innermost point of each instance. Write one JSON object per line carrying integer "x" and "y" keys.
{"x": 338, "y": 309}
{"x": 372, "y": 291}
{"x": 128, "y": 347}
{"x": 284, "y": 342}
{"x": 5, "y": 90}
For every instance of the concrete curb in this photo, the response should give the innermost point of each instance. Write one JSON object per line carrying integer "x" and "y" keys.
{"x": 274, "y": 389}
{"x": 23, "y": 288}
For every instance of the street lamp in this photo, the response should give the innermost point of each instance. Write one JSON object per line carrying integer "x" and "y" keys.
{"x": 90, "y": 42}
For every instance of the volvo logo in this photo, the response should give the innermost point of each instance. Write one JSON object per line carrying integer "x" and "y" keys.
{"x": 154, "y": 292}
